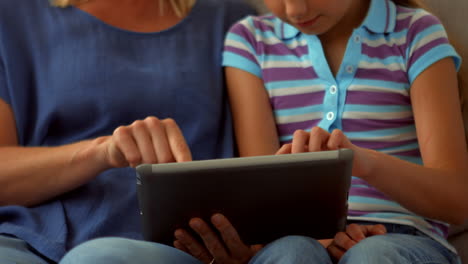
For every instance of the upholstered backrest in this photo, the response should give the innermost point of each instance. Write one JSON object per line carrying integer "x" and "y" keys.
{"x": 453, "y": 14}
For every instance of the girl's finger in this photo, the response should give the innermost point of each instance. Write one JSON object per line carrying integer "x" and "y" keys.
{"x": 300, "y": 139}
{"x": 338, "y": 140}
{"x": 356, "y": 232}
{"x": 184, "y": 241}
{"x": 376, "y": 230}
{"x": 285, "y": 149}
{"x": 335, "y": 251}
{"x": 343, "y": 241}
{"x": 318, "y": 139}
{"x": 177, "y": 142}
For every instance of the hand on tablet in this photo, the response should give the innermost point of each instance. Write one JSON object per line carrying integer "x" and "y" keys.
{"x": 146, "y": 141}
{"x": 227, "y": 249}
{"x": 354, "y": 233}
{"x": 320, "y": 140}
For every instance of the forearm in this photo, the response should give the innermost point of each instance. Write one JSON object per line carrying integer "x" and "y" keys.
{"x": 31, "y": 175}
{"x": 431, "y": 192}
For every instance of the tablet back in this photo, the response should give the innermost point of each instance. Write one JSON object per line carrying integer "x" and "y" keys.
{"x": 265, "y": 197}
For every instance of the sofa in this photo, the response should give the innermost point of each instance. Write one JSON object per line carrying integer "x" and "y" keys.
{"x": 452, "y": 15}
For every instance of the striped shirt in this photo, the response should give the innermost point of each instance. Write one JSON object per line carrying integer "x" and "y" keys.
{"x": 369, "y": 99}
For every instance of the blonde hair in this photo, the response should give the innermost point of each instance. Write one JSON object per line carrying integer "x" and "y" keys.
{"x": 180, "y": 7}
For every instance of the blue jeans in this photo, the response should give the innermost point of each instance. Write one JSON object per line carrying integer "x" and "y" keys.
{"x": 17, "y": 251}
{"x": 402, "y": 245}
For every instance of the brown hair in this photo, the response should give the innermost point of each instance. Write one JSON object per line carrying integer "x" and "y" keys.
{"x": 180, "y": 7}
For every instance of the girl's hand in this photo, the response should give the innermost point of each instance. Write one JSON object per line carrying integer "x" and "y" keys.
{"x": 320, "y": 140}
{"x": 146, "y": 141}
{"x": 227, "y": 249}
{"x": 343, "y": 241}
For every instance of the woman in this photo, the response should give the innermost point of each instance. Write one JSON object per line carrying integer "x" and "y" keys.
{"x": 88, "y": 91}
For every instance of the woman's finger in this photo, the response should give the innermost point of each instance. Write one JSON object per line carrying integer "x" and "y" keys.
{"x": 177, "y": 142}
{"x": 256, "y": 248}
{"x": 210, "y": 239}
{"x": 231, "y": 238}
{"x": 184, "y": 241}
{"x": 179, "y": 245}
{"x": 125, "y": 143}
{"x": 318, "y": 139}
{"x": 160, "y": 142}
{"x": 142, "y": 138}
{"x": 300, "y": 139}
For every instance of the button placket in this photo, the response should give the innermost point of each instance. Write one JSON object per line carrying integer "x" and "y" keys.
{"x": 333, "y": 102}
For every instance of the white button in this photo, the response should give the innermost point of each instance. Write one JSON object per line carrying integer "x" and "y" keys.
{"x": 330, "y": 115}
{"x": 333, "y": 89}
{"x": 349, "y": 69}
{"x": 357, "y": 38}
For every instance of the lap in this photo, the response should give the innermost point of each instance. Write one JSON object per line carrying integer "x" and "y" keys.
{"x": 121, "y": 250}
{"x": 17, "y": 251}
{"x": 399, "y": 248}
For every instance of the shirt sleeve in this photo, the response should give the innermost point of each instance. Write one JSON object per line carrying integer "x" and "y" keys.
{"x": 4, "y": 94}
{"x": 239, "y": 48}
{"x": 427, "y": 43}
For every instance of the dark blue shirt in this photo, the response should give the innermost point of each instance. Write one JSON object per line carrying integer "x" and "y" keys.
{"x": 68, "y": 77}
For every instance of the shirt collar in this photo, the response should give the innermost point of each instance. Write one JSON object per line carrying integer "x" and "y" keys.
{"x": 381, "y": 18}
{"x": 284, "y": 30}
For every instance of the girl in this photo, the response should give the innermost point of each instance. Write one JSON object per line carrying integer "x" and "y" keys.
{"x": 375, "y": 76}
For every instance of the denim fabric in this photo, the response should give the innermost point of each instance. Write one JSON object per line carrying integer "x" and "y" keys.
{"x": 403, "y": 244}
{"x": 17, "y": 251}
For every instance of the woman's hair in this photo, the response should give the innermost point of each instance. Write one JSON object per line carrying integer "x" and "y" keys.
{"x": 180, "y": 7}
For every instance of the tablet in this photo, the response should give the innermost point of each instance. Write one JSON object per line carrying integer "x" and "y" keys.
{"x": 264, "y": 197}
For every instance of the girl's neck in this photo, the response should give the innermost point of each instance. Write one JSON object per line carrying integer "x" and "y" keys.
{"x": 133, "y": 15}
{"x": 353, "y": 19}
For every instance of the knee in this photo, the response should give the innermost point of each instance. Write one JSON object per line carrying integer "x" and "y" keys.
{"x": 121, "y": 250}
{"x": 97, "y": 251}
{"x": 292, "y": 249}
{"x": 375, "y": 249}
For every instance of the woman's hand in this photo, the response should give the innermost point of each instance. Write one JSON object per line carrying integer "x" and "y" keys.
{"x": 354, "y": 233}
{"x": 227, "y": 249}
{"x": 320, "y": 140}
{"x": 146, "y": 141}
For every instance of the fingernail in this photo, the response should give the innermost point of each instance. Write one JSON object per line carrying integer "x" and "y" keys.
{"x": 179, "y": 234}
{"x": 195, "y": 224}
{"x": 216, "y": 219}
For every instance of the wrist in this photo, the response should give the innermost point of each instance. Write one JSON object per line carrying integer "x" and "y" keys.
{"x": 369, "y": 159}
{"x": 92, "y": 153}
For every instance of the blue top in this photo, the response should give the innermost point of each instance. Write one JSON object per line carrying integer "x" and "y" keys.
{"x": 69, "y": 76}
